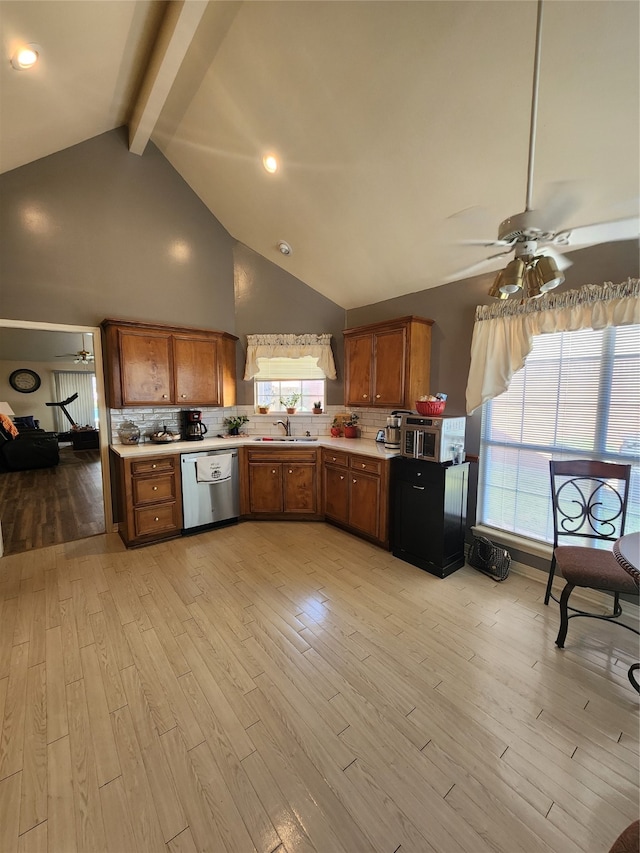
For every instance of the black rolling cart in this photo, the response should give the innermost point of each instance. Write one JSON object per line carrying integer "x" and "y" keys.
{"x": 429, "y": 513}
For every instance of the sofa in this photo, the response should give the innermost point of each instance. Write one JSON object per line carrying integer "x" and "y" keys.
{"x": 29, "y": 448}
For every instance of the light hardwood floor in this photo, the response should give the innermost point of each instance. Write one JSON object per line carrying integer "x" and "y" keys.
{"x": 287, "y": 687}
{"x": 48, "y": 506}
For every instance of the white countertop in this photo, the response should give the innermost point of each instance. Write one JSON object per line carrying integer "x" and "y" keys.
{"x": 363, "y": 446}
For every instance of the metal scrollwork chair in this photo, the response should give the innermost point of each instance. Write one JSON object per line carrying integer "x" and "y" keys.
{"x": 589, "y": 500}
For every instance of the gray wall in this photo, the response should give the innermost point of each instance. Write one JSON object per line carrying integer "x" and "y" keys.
{"x": 270, "y": 300}
{"x": 452, "y": 308}
{"x": 87, "y": 233}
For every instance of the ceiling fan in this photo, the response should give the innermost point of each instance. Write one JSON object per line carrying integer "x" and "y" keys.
{"x": 537, "y": 267}
{"x": 82, "y": 356}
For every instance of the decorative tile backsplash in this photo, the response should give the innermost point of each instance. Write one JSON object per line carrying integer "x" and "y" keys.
{"x": 152, "y": 420}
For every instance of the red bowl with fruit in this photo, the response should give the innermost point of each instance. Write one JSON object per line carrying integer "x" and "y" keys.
{"x": 430, "y": 407}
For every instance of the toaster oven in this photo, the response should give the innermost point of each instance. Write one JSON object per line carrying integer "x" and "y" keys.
{"x": 432, "y": 439}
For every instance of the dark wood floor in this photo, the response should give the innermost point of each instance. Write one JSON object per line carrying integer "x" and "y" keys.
{"x": 50, "y": 506}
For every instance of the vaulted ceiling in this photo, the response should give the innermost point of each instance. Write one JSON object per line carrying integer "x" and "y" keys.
{"x": 402, "y": 128}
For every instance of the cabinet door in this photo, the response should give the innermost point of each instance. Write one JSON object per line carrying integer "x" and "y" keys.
{"x": 358, "y": 358}
{"x": 146, "y": 368}
{"x": 336, "y": 493}
{"x": 364, "y": 503}
{"x": 196, "y": 371}
{"x": 299, "y": 492}
{"x": 389, "y": 371}
{"x": 265, "y": 487}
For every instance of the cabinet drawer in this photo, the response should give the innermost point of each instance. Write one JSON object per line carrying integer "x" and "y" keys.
{"x": 148, "y": 490}
{"x": 365, "y": 463}
{"x": 279, "y": 455}
{"x": 335, "y": 457}
{"x": 156, "y": 519}
{"x": 152, "y": 466}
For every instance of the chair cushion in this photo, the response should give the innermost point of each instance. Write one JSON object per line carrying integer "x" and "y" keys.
{"x": 627, "y": 841}
{"x": 594, "y": 568}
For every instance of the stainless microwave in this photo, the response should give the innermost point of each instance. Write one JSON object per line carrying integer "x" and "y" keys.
{"x": 432, "y": 439}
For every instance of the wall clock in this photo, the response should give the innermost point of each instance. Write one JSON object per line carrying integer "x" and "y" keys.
{"x": 24, "y": 380}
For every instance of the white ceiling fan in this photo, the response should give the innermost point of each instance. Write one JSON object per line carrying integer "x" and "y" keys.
{"x": 82, "y": 356}
{"x": 531, "y": 235}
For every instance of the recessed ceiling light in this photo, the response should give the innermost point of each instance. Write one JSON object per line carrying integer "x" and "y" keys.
{"x": 285, "y": 248}
{"x": 25, "y": 57}
{"x": 270, "y": 163}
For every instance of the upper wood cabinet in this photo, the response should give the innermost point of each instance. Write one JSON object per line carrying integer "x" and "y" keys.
{"x": 387, "y": 364}
{"x": 155, "y": 365}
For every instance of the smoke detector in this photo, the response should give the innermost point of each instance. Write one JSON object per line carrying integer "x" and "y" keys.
{"x": 284, "y": 248}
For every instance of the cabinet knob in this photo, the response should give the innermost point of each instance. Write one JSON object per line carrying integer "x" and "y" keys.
{"x": 274, "y": 471}
{"x": 155, "y": 488}
{"x": 342, "y": 477}
{"x": 355, "y": 481}
{"x": 156, "y": 518}
{"x": 290, "y": 471}
{"x": 364, "y": 464}
{"x": 183, "y": 396}
{"x": 377, "y": 396}
{"x": 154, "y": 465}
{"x": 364, "y": 396}
{"x": 333, "y": 458}
{"x": 164, "y": 396}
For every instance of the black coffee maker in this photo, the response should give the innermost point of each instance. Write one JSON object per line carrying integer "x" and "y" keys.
{"x": 193, "y": 429}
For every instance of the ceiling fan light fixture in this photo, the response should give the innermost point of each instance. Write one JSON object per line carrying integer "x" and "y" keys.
{"x": 548, "y": 273}
{"x": 496, "y": 290}
{"x": 513, "y": 276}
{"x": 533, "y": 283}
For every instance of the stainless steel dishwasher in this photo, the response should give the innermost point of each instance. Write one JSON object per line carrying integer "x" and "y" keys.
{"x": 210, "y": 495}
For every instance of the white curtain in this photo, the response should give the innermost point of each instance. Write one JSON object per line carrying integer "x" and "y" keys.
{"x": 503, "y": 333}
{"x": 82, "y": 410}
{"x": 289, "y": 346}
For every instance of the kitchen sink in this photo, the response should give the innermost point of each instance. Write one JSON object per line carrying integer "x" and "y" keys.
{"x": 280, "y": 438}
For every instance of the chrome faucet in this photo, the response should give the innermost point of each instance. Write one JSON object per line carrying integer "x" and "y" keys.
{"x": 286, "y": 425}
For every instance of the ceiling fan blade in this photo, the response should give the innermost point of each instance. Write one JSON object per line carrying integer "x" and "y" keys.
{"x": 559, "y": 201}
{"x": 486, "y": 243}
{"x": 601, "y": 232}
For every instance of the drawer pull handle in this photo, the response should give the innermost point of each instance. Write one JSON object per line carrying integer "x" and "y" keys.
{"x": 419, "y": 487}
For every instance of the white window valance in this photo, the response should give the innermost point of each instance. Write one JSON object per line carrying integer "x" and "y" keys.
{"x": 503, "y": 333}
{"x": 289, "y": 346}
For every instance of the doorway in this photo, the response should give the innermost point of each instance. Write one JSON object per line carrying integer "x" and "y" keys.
{"x": 70, "y": 500}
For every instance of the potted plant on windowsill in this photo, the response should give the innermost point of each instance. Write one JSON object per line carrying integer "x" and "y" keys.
{"x": 290, "y": 402}
{"x": 317, "y": 408}
{"x": 234, "y": 422}
{"x": 263, "y": 407}
{"x": 350, "y": 427}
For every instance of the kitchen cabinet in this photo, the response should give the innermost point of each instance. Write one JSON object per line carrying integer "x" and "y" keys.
{"x": 157, "y": 365}
{"x": 149, "y": 499}
{"x": 280, "y": 484}
{"x": 355, "y": 494}
{"x": 387, "y": 365}
{"x": 429, "y": 514}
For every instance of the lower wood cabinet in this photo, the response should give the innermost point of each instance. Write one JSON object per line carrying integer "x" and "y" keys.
{"x": 356, "y": 494}
{"x": 149, "y": 499}
{"x": 280, "y": 484}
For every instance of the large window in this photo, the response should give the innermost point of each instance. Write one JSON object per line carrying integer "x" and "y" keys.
{"x": 578, "y": 396}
